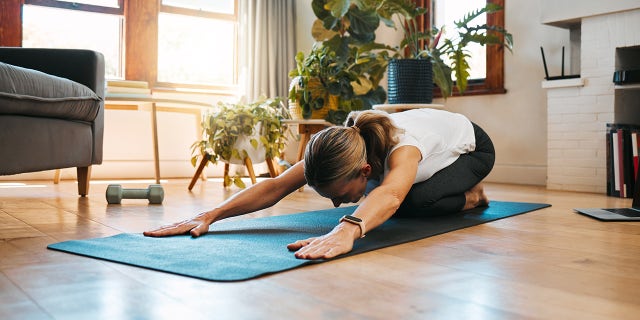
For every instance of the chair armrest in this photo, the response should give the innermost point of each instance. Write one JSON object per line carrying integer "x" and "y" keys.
{"x": 80, "y": 65}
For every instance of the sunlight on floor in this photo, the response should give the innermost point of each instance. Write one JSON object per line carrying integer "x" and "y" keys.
{"x": 13, "y": 185}
{"x": 148, "y": 181}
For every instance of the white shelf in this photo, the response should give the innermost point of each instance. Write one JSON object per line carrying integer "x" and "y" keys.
{"x": 627, "y": 86}
{"x": 563, "y": 83}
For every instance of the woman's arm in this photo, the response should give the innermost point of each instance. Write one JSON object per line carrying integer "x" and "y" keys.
{"x": 375, "y": 209}
{"x": 383, "y": 201}
{"x": 259, "y": 196}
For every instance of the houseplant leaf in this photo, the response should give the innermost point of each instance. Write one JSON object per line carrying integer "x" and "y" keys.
{"x": 363, "y": 24}
{"x": 460, "y": 69}
{"x": 338, "y": 8}
{"x": 320, "y": 33}
{"x": 238, "y": 182}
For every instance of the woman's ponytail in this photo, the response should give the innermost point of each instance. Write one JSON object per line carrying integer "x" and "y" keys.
{"x": 379, "y": 134}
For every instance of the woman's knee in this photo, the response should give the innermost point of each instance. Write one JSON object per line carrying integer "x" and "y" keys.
{"x": 435, "y": 208}
{"x": 486, "y": 161}
{"x": 417, "y": 199}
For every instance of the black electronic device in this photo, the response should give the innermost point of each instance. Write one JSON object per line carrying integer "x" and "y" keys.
{"x": 562, "y": 75}
{"x": 618, "y": 214}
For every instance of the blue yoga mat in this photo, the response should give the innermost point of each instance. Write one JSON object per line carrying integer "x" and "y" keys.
{"x": 245, "y": 249}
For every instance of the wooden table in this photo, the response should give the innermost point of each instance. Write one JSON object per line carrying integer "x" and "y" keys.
{"x": 149, "y": 103}
{"x": 306, "y": 128}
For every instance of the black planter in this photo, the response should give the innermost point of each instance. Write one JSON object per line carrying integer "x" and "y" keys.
{"x": 410, "y": 81}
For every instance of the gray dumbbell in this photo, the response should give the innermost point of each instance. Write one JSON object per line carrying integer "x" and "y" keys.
{"x": 154, "y": 193}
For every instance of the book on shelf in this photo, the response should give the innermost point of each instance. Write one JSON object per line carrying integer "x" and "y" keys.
{"x": 111, "y": 89}
{"x": 622, "y": 159}
{"x": 128, "y": 83}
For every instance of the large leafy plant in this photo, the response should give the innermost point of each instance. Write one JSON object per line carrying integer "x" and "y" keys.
{"x": 353, "y": 76}
{"x": 346, "y": 62}
{"x": 439, "y": 47}
{"x": 225, "y": 123}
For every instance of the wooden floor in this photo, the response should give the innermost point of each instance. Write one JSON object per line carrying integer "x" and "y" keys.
{"x": 548, "y": 264}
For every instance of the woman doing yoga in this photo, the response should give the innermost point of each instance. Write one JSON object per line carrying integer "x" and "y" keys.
{"x": 416, "y": 163}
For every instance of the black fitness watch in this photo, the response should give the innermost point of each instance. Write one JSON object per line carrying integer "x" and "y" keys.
{"x": 356, "y": 221}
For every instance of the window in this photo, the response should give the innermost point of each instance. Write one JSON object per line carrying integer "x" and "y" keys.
{"x": 200, "y": 35}
{"x": 80, "y": 25}
{"x": 168, "y": 43}
{"x": 487, "y": 65}
{"x": 446, "y": 12}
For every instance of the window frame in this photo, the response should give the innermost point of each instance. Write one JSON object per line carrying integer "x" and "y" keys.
{"x": 78, "y": 6}
{"x": 200, "y": 14}
{"x": 493, "y": 83}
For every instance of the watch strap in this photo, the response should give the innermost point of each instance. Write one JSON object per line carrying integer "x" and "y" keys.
{"x": 357, "y": 221}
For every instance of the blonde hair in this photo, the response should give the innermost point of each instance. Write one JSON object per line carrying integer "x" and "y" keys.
{"x": 340, "y": 152}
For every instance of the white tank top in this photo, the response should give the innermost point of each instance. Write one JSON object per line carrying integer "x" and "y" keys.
{"x": 441, "y": 136}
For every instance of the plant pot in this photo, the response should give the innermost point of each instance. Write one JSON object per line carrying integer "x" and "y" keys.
{"x": 410, "y": 81}
{"x": 257, "y": 155}
{"x": 330, "y": 103}
{"x": 294, "y": 110}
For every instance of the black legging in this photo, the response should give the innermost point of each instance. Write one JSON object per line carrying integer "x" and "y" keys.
{"x": 444, "y": 192}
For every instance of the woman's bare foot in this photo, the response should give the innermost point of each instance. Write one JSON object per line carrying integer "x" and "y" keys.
{"x": 475, "y": 197}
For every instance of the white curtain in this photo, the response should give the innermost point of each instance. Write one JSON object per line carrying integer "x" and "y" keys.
{"x": 266, "y": 47}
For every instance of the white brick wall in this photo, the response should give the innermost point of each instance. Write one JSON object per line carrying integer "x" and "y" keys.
{"x": 577, "y": 115}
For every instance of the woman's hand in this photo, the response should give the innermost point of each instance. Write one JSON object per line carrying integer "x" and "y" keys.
{"x": 259, "y": 196}
{"x": 195, "y": 226}
{"x": 338, "y": 241}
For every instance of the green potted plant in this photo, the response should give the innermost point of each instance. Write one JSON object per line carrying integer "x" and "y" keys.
{"x": 342, "y": 72}
{"x": 438, "y": 46}
{"x": 328, "y": 86}
{"x": 234, "y": 132}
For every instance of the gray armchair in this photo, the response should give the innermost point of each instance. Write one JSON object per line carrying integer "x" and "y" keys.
{"x": 46, "y": 121}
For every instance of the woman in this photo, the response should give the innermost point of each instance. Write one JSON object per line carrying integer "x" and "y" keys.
{"x": 418, "y": 162}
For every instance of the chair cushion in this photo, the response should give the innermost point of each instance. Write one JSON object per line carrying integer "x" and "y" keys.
{"x": 30, "y": 92}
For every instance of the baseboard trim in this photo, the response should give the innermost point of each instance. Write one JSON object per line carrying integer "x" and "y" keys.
{"x": 138, "y": 169}
{"x": 518, "y": 174}
{"x": 515, "y": 174}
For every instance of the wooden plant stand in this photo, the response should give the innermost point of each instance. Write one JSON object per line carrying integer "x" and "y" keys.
{"x": 273, "y": 172}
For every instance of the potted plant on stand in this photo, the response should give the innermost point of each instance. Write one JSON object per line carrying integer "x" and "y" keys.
{"x": 241, "y": 133}
{"x": 436, "y": 52}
